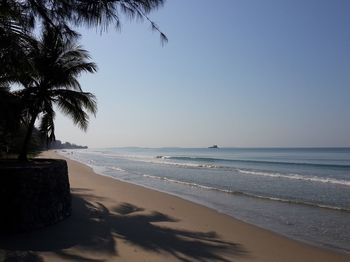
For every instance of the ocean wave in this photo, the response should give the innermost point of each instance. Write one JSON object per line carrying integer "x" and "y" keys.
{"x": 183, "y": 165}
{"x": 192, "y": 165}
{"x": 210, "y": 160}
{"x": 297, "y": 177}
{"x": 158, "y": 160}
{"x": 188, "y": 183}
{"x": 163, "y": 157}
{"x": 246, "y": 194}
{"x": 116, "y": 168}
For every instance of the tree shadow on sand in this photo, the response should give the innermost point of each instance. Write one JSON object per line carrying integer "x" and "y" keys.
{"x": 94, "y": 229}
{"x": 20, "y": 256}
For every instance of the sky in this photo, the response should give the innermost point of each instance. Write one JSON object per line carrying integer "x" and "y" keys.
{"x": 237, "y": 73}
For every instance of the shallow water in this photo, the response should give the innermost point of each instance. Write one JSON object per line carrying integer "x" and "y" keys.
{"x": 301, "y": 193}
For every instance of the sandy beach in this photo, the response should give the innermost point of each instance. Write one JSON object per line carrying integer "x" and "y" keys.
{"x": 118, "y": 221}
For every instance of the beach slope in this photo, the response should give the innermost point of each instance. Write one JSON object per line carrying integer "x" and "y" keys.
{"x": 118, "y": 221}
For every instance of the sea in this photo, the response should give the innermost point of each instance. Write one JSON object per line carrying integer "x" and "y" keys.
{"x": 302, "y": 193}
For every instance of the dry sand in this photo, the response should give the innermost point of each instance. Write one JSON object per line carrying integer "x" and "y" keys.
{"x": 117, "y": 221}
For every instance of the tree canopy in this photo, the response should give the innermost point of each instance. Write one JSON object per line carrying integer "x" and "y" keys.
{"x": 23, "y": 16}
{"x": 46, "y": 65}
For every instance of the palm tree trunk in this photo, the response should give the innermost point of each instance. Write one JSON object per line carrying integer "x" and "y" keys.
{"x": 23, "y": 155}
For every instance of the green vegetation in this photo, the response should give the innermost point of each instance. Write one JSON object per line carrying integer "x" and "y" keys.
{"x": 39, "y": 70}
{"x": 56, "y": 62}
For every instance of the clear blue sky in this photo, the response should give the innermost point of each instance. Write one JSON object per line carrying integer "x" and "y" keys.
{"x": 245, "y": 73}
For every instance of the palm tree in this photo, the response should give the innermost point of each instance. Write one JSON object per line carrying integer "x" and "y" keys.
{"x": 18, "y": 21}
{"x": 56, "y": 62}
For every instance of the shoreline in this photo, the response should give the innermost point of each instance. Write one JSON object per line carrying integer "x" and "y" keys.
{"x": 115, "y": 220}
{"x": 203, "y": 205}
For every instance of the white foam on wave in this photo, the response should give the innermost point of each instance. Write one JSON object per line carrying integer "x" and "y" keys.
{"x": 297, "y": 177}
{"x": 177, "y": 164}
{"x": 246, "y": 194}
{"x": 191, "y": 165}
{"x": 163, "y": 157}
{"x": 188, "y": 183}
{"x": 117, "y": 169}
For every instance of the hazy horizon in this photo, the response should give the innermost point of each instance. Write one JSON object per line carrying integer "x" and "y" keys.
{"x": 219, "y": 147}
{"x": 239, "y": 74}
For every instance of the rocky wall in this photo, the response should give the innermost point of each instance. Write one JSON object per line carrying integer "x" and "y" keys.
{"x": 34, "y": 194}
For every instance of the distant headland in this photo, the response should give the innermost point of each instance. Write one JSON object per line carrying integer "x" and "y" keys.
{"x": 59, "y": 145}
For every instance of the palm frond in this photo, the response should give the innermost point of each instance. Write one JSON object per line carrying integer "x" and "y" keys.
{"x": 85, "y": 100}
{"x": 93, "y": 13}
{"x": 47, "y": 124}
{"x": 58, "y": 61}
{"x": 76, "y": 105}
{"x": 79, "y": 117}
{"x": 141, "y": 9}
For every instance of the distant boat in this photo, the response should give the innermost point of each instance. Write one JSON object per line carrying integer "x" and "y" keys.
{"x": 214, "y": 146}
